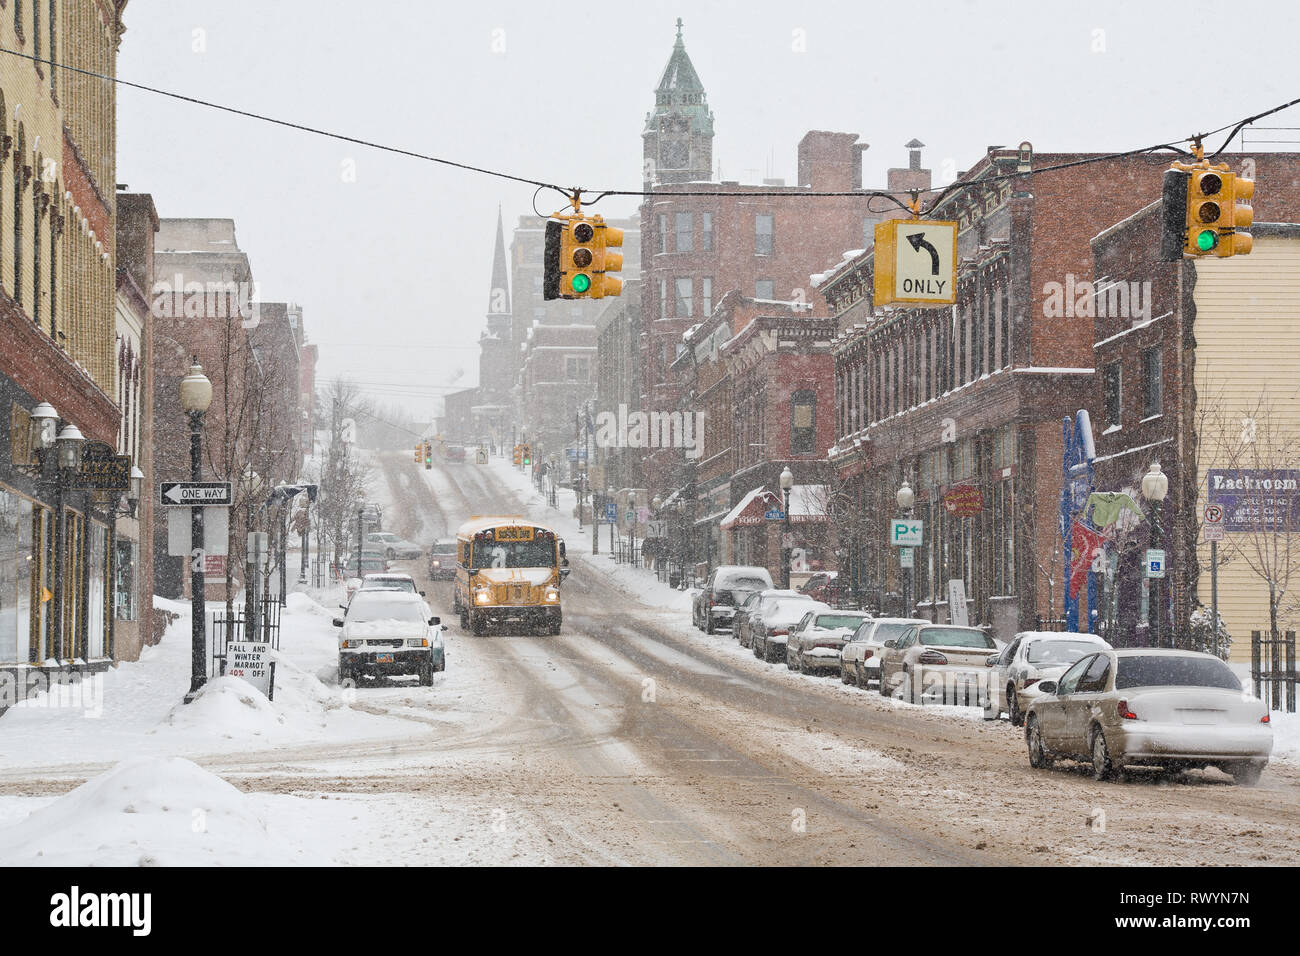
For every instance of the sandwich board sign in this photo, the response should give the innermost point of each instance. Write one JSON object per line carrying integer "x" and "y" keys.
{"x": 251, "y": 661}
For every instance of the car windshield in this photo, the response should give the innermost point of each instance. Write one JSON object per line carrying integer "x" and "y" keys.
{"x": 401, "y": 584}
{"x": 832, "y": 621}
{"x": 537, "y": 553}
{"x": 743, "y": 582}
{"x": 1058, "y": 652}
{"x": 889, "y": 631}
{"x": 1159, "y": 670}
{"x": 956, "y": 637}
{"x": 447, "y": 548}
{"x": 375, "y": 608}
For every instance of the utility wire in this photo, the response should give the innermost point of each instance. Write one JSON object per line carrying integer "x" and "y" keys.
{"x": 601, "y": 194}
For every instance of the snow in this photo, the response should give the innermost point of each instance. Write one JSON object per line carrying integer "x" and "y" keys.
{"x": 153, "y": 811}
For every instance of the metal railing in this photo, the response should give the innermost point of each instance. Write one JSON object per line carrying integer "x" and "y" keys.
{"x": 1272, "y": 668}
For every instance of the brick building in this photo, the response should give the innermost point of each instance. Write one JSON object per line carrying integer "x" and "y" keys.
{"x": 969, "y": 400}
{"x": 1191, "y": 356}
{"x": 58, "y": 336}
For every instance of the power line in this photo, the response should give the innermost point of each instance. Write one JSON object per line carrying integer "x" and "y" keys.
{"x": 1236, "y": 127}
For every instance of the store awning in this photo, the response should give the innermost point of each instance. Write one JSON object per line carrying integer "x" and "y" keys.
{"x": 750, "y": 509}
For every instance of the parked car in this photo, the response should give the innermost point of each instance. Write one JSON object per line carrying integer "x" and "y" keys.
{"x": 860, "y": 658}
{"x": 442, "y": 560}
{"x": 930, "y": 653}
{"x": 743, "y": 627}
{"x": 815, "y": 642}
{"x": 818, "y": 585}
{"x": 770, "y": 627}
{"x": 1030, "y": 658}
{"x": 1150, "y": 706}
{"x": 389, "y": 632}
{"x": 392, "y": 546}
{"x": 726, "y": 589}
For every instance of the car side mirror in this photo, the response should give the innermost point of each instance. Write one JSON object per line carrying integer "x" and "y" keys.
{"x": 338, "y": 622}
{"x": 421, "y": 594}
{"x": 1048, "y": 686}
{"x": 991, "y": 662}
{"x": 435, "y": 621}
{"x": 343, "y": 607}
{"x": 564, "y": 572}
{"x": 891, "y": 643}
{"x": 473, "y": 571}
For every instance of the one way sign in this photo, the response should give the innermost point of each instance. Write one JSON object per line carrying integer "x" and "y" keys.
{"x": 194, "y": 492}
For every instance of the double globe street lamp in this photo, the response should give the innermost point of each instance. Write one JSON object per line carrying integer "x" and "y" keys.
{"x": 787, "y": 483}
{"x": 1155, "y": 486}
{"x": 906, "y": 499}
{"x": 196, "y": 398}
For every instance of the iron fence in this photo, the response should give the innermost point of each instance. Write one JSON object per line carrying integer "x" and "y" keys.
{"x": 235, "y": 627}
{"x": 1272, "y": 668}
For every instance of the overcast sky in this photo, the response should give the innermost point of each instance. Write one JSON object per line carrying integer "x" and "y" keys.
{"x": 393, "y": 268}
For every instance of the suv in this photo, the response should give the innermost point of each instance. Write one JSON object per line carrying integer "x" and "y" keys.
{"x": 389, "y": 632}
{"x": 726, "y": 589}
{"x": 442, "y": 560}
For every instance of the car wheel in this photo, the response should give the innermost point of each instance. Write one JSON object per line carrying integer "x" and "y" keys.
{"x": 345, "y": 675}
{"x": 844, "y": 673}
{"x": 882, "y": 684}
{"x": 753, "y": 645}
{"x": 1039, "y": 758}
{"x": 1247, "y": 774}
{"x": 790, "y": 662}
{"x": 1102, "y": 767}
{"x": 859, "y": 677}
{"x": 1013, "y": 707}
{"x": 478, "y": 624}
{"x": 425, "y": 674}
{"x": 708, "y": 625}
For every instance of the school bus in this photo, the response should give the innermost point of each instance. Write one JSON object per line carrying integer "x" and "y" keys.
{"x": 508, "y": 570}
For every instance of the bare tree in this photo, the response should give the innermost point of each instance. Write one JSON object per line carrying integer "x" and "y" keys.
{"x": 1261, "y": 445}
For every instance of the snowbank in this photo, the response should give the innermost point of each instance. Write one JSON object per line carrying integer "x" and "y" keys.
{"x": 151, "y": 811}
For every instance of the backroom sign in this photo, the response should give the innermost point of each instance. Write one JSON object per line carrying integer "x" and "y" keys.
{"x": 1256, "y": 499}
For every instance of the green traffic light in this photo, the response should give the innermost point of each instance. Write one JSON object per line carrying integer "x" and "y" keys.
{"x": 581, "y": 282}
{"x": 1206, "y": 240}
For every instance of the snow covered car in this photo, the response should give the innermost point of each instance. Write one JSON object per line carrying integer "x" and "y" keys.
{"x": 1030, "y": 658}
{"x": 931, "y": 660}
{"x": 389, "y": 632}
{"x": 815, "y": 642}
{"x": 1150, "y": 706}
{"x": 771, "y": 624}
{"x": 725, "y": 590}
{"x": 393, "y": 547}
{"x": 742, "y": 628}
{"x": 442, "y": 560}
{"x": 860, "y": 657}
{"x": 390, "y": 581}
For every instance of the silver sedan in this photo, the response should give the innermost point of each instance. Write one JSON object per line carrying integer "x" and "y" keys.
{"x": 1169, "y": 708}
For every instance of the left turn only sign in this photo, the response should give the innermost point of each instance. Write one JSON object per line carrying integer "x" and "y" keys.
{"x": 916, "y": 262}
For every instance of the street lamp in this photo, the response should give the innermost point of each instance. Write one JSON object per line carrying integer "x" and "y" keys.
{"x": 906, "y": 498}
{"x": 787, "y": 483}
{"x": 196, "y": 397}
{"x": 133, "y": 490}
{"x": 610, "y": 493}
{"x": 1155, "y": 486}
{"x": 45, "y": 421}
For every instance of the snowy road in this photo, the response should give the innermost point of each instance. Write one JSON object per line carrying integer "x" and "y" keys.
{"x": 631, "y": 738}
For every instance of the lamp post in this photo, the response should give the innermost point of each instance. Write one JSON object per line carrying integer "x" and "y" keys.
{"x": 1155, "y": 486}
{"x": 631, "y": 509}
{"x": 655, "y": 504}
{"x": 196, "y": 397}
{"x": 787, "y": 483}
{"x": 609, "y": 492}
{"x": 906, "y": 498}
{"x": 361, "y": 517}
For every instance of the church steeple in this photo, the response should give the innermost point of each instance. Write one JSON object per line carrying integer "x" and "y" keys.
{"x": 498, "y": 314}
{"x": 678, "y": 134}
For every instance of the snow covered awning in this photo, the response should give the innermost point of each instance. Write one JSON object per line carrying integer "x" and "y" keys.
{"x": 749, "y": 510}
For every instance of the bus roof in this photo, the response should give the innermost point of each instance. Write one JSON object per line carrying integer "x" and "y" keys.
{"x": 478, "y": 523}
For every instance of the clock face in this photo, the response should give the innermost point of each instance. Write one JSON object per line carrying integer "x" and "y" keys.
{"x": 674, "y": 154}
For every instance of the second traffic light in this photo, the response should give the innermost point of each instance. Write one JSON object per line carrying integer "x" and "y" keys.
{"x": 527, "y": 454}
{"x": 428, "y": 456}
{"x": 576, "y": 260}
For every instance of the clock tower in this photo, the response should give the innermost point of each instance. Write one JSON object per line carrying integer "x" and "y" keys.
{"x": 678, "y": 133}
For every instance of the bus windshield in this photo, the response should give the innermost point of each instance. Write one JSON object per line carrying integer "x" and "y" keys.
{"x": 490, "y": 553}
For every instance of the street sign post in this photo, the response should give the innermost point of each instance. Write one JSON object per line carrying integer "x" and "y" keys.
{"x": 774, "y": 514}
{"x": 916, "y": 262}
{"x": 189, "y": 493}
{"x": 906, "y": 532}
{"x": 611, "y": 512}
{"x": 906, "y": 558}
{"x": 1213, "y": 522}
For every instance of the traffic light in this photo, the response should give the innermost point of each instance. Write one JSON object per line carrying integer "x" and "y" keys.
{"x": 519, "y": 454}
{"x": 576, "y": 260}
{"x": 419, "y": 451}
{"x": 428, "y": 457}
{"x": 1203, "y": 212}
{"x": 527, "y": 454}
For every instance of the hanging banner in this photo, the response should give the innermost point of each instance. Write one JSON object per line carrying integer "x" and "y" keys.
{"x": 963, "y": 501}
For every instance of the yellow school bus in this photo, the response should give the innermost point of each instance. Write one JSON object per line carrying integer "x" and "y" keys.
{"x": 508, "y": 570}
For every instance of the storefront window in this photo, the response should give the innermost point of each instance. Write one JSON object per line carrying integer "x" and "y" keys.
{"x": 96, "y": 596}
{"x": 9, "y": 577}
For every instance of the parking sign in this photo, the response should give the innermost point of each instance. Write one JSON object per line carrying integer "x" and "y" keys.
{"x": 905, "y": 532}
